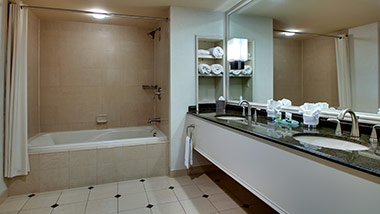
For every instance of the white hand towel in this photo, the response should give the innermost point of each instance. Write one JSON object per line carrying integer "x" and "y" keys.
{"x": 203, "y": 52}
{"x": 217, "y": 69}
{"x": 204, "y": 69}
{"x": 188, "y": 152}
{"x": 216, "y": 51}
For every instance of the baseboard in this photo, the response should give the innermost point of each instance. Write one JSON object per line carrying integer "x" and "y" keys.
{"x": 194, "y": 170}
{"x": 3, "y": 196}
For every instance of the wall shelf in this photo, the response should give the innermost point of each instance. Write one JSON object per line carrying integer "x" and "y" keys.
{"x": 240, "y": 76}
{"x": 209, "y": 57}
{"x": 210, "y": 75}
{"x": 209, "y": 87}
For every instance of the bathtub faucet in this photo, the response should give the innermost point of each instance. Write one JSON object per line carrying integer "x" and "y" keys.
{"x": 154, "y": 120}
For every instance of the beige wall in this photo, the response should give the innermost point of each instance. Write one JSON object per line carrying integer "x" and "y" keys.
{"x": 288, "y": 70}
{"x": 3, "y": 36}
{"x": 33, "y": 70}
{"x": 319, "y": 71}
{"x": 163, "y": 76}
{"x": 305, "y": 70}
{"x": 90, "y": 69}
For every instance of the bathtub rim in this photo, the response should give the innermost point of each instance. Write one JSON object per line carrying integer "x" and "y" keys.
{"x": 162, "y": 139}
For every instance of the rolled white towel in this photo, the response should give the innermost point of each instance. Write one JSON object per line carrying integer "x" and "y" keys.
{"x": 217, "y": 69}
{"x": 236, "y": 72}
{"x": 247, "y": 70}
{"x": 204, "y": 69}
{"x": 216, "y": 51}
{"x": 203, "y": 52}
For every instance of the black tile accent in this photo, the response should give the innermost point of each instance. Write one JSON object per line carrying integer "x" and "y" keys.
{"x": 117, "y": 196}
{"x": 205, "y": 196}
{"x": 246, "y": 206}
{"x": 217, "y": 180}
{"x": 91, "y": 187}
{"x": 142, "y": 180}
{"x": 149, "y": 206}
{"x": 54, "y": 205}
{"x": 171, "y": 187}
{"x": 31, "y": 195}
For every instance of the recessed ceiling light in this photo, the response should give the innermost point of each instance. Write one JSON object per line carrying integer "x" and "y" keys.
{"x": 100, "y": 15}
{"x": 289, "y": 34}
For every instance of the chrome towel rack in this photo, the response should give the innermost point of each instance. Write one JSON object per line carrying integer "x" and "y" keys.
{"x": 189, "y": 129}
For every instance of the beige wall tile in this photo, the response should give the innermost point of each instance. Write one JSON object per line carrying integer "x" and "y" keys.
{"x": 24, "y": 184}
{"x": 82, "y": 176}
{"x": 56, "y": 160}
{"x": 94, "y": 70}
{"x": 134, "y": 152}
{"x": 133, "y": 169}
{"x": 33, "y": 44}
{"x": 82, "y": 158}
{"x": 54, "y": 179}
{"x": 157, "y": 150}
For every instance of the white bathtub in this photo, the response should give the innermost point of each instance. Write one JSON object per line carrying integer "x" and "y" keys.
{"x": 94, "y": 139}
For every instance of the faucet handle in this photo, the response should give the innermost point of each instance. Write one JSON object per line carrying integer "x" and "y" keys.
{"x": 338, "y": 130}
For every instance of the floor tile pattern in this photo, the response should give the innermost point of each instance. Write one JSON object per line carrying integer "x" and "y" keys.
{"x": 202, "y": 194}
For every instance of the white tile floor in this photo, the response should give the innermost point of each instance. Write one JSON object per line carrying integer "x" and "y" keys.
{"x": 211, "y": 193}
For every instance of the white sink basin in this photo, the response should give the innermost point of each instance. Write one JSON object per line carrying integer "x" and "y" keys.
{"x": 225, "y": 117}
{"x": 330, "y": 143}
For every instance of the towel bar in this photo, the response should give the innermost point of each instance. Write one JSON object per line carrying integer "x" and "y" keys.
{"x": 187, "y": 130}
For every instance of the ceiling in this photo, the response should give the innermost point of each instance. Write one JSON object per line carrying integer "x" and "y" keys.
{"x": 155, "y": 8}
{"x": 316, "y": 16}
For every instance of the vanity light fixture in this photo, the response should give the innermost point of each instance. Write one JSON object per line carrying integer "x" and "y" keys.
{"x": 101, "y": 14}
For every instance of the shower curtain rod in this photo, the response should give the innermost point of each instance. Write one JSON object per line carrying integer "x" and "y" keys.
{"x": 311, "y": 34}
{"x": 97, "y": 13}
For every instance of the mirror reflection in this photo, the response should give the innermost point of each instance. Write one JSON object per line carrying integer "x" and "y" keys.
{"x": 306, "y": 57}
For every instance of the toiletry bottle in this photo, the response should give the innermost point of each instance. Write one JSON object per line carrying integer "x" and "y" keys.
{"x": 288, "y": 116}
{"x": 278, "y": 115}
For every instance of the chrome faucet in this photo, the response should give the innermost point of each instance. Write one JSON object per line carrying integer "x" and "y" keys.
{"x": 355, "y": 124}
{"x": 249, "y": 107}
{"x": 156, "y": 120}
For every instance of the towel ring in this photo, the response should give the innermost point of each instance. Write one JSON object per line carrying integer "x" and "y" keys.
{"x": 187, "y": 130}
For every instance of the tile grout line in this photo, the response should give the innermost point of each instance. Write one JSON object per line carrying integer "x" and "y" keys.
{"x": 146, "y": 194}
{"x": 117, "y": 199}
{"x": 88, "y": 198}
{"x": 22, "y": 207}
{"x": 184, "y": 211}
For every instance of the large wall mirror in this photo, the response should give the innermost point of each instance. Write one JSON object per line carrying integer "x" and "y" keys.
{"x": 306, "y": 51}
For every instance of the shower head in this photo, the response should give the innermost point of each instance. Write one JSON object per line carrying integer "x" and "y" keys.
{"x": 153, "y": 33}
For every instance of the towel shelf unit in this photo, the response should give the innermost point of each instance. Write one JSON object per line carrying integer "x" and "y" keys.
{"x": 209, "y": 87}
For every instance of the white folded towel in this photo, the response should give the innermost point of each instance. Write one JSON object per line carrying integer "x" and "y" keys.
{"x": 217, "y": 69}
{"x": 203, "y": 52}
{"x": 204, "y": 69}
{"x": 247, "y": 70}
{"x": 216, "y": 51}
{"x": 188, "y": 152}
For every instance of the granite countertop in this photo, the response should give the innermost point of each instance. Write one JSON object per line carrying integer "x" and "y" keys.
{"x": 366, "y": 161}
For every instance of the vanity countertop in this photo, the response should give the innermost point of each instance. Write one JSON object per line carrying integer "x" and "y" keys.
{"x": 366, "y": 161}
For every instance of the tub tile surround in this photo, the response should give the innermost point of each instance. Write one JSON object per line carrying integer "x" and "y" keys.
{"x": 88, "y": 69}
{"x": 155, "y": 195}
{"x": 70, "y": 169}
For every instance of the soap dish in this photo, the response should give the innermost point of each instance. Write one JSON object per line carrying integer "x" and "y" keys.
{"x": 291, "y": 123}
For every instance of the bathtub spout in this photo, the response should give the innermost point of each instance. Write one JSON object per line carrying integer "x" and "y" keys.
{"x": 154, "y": 120}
